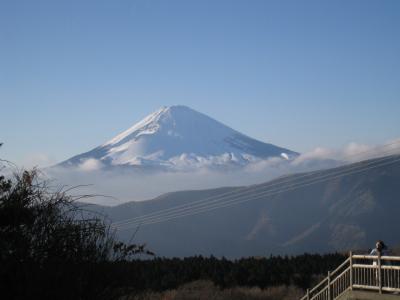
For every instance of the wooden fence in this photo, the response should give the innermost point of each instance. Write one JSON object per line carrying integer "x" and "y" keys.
{"x": 361, "y": 272}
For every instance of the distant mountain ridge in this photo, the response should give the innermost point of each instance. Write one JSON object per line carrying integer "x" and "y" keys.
{"x": 178, "y": 137}
{"x": 342, "y": 213}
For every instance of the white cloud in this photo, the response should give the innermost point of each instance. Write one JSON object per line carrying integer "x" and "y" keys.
{"x": 39, "y": 160}
{"x": 356, "y": 152}
{"x": 90, "y": 164}
{"x": 352, "y": 152}
{"x": 133, "y": 185}
{"x": 318, "y": 153}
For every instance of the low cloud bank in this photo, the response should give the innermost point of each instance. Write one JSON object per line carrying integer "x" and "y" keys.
{"x": 352, "y": 152}
{"x": 128, "y": 184}
{"x": 90, "y": 164}
{"x": 37, "y": 160}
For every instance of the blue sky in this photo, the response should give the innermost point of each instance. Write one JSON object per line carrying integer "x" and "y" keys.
{"x": 299, "y": 74}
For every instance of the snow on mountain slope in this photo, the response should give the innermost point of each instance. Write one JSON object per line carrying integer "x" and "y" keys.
{"x": 178, "y": 137}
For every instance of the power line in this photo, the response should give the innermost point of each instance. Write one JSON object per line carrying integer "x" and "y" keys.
{"x": 255, "y": 193}
{"x": 283, "y": 186}
{"x": 235, "y": 193}
{"x": 231, "y": 203}
{"x": 208, "y": 207}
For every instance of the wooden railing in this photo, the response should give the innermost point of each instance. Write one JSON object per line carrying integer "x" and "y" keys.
{"x": 362, "y": 272}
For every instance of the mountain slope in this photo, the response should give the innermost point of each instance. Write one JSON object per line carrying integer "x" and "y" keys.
{"x": 348, "y": 212}
{"x": 178, "y": 137}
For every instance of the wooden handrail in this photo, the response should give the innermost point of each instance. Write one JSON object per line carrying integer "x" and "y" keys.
{"x": 340, "y": 275}
{"x": 341, "y": 266}
{"x": 319, "y": 293}
{"x": 365, "y": 266}
{"x": 318, "y": 285}
{"x": 367, "y": 280}
{"x": 373, "y": 257}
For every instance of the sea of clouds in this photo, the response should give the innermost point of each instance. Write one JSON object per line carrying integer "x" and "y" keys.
{"x": 114, "y": 186}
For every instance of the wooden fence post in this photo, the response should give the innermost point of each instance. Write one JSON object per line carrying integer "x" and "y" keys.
{"x": 351, "y": 270}
{"x": 329, "y": 286}
{"x": 308, "y": 294}
{"x": 379, "y": 273}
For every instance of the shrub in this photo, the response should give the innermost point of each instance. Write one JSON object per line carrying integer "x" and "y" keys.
{"x": 51, "y": 248}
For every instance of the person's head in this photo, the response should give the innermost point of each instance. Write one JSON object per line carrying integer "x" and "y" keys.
{"x": 380, "y": 245}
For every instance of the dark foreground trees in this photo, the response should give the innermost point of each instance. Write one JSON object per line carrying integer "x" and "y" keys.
{"x": 161, "y": 274}
{"x": 50, "y": 248}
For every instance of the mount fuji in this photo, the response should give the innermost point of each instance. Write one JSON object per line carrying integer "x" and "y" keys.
{"x": 179, "y": 138}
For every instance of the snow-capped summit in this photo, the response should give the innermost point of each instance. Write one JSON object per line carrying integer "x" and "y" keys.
{"x": 178, "y": 137}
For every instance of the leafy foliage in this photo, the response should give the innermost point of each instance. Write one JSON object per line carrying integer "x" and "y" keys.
{"x": 51, "y": 248}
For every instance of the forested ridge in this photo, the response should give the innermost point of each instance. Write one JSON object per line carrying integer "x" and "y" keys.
{"x": 160, "y": 274}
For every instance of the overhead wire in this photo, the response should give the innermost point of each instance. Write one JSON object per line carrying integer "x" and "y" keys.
{"x": 230, "y": 203}
{"x": 237, "y": 192}
{"x": 263, "y": 192}
{"x": 204, "y": 204}
{"x": 252, "y": 187}
{"x": 180, "y": 208}
{"x": 251, "y": 197}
